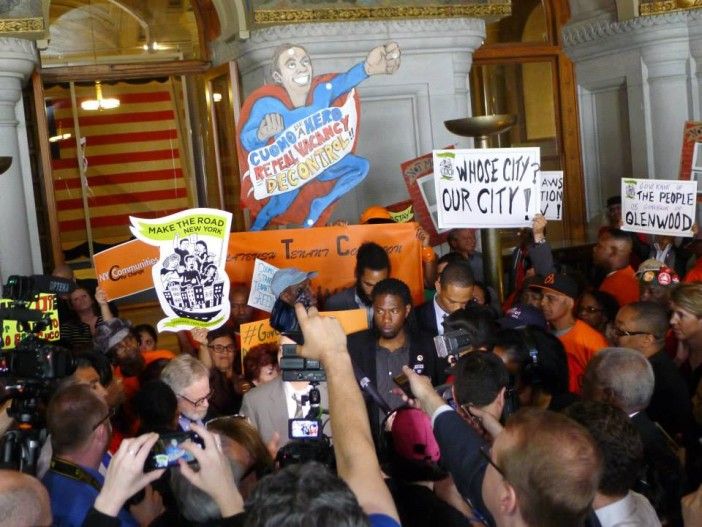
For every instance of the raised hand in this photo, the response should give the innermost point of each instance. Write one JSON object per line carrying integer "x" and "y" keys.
{"x": 383, "y": 59}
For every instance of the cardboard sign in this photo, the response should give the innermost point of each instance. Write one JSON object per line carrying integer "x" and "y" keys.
{"x": 296, "y": 137}
{"x": 657, "y": 206}
{"x": 552, "y": 195}
{"x": 189, "y": 278}
{"x": 13, "y": 331}
{"x": 401, "y": 212}
{"x": 260, "y": 295}
{"x": 418, "y": 174}
{"x": 261, "y": 332}
{"x": 331, "y": 251}
{"x": 492, "y": 187}
{"x": 691, "y": 155}
{"x": 125, "y": 269}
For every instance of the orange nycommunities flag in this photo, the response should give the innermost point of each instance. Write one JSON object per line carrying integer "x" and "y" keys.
{"x": 126, "y": 269}
{"x": 331, "y": 251}
{"x": 133, "y": 154}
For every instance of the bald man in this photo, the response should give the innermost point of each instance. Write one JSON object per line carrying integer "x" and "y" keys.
{"x": 24, "y": 501}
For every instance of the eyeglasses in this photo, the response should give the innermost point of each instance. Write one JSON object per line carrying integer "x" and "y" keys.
{"x": 485, "y": 451}
{"x": 200, "y": 401}
{"x": 110, "y": 415}
{"x": 619, "y": 332}
{"x": 590, "y": 309}
{"x": 218, "y": 348}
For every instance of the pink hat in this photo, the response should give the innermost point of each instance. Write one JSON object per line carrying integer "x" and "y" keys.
{"x": 412, "y": 436}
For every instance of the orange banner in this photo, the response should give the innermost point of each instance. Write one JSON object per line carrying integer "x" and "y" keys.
{"x": 126, "y": 268}
{"x": 261, "y": 332}
{"x": 331, "y": 251}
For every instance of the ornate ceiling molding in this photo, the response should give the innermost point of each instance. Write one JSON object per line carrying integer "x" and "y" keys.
{"x": 606, "y": 26}
{"x": 294, "y": 16}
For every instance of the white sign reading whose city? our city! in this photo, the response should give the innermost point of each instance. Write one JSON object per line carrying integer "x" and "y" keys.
{"x": 491, "y": 187}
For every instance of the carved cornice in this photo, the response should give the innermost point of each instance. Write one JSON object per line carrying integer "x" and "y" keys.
{"x": 18, "y": 45}
{"x": 335, "y": 29}
{"x": 21, "y": 25}
{"x": 606, "y": 26}
{"x": 295, "y": 16}
{"x": 658, "y": 7}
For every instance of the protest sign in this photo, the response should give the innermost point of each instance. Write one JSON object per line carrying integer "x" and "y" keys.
{"x": 261, "y": 332}
{"x": 691, "y": 155}
{"x": 401, "y": 212}
{"x": 658, "y": 206}
{"x": 297, "y": 136}
{"x": 260, "y": 295}
{"x": 552, "y": 195}
{"x": 13, "y": 331}
{"x": 125, "y": 269}
{"x": 418, "y": 174}
{"x": 331, "y": 251}
{"x": 189, "y": 278}
{"x": 491, "y": 187}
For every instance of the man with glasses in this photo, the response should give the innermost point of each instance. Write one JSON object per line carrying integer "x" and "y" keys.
{"x": 580, "y": 341}
{"x": 190, "y": 381}
{"x": 542, "y": 470}
{"x": 79, "y": 423}
{"x": 642, "y": 326}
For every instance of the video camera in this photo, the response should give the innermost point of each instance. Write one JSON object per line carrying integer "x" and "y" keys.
{"x": 296, "y": 368}
{"x": 452, "y": 342}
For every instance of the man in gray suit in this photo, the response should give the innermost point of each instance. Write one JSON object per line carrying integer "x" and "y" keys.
{"x": 270, "y": 405}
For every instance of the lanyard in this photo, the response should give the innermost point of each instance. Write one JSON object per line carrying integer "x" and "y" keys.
{"x": 65, "y": 468}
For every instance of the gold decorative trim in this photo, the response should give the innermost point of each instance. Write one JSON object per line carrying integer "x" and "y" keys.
{"x": 21, "y": 25}
{"x": 658, "y": 7}
{"x": 291, "y": 16}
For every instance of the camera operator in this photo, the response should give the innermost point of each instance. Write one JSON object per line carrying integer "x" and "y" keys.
{"x": 270, "y": 405}
{"x": 481, "y": 383}
{"x": 79, "y": 423}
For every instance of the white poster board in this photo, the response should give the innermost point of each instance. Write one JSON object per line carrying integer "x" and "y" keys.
{"x": 261, "y": 297}
{"x": 491, "y": 187}
{"x": 552, "y": 195}
{"x": 659, "y": 206}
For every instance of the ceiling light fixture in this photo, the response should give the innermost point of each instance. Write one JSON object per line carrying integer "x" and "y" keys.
{"x": 100, "y": 103}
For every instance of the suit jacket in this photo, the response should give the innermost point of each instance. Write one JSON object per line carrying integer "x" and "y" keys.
{"x": 426, "y": 318}
{"x": 460, "y": 454}
{"x": 267, "y": 409}
{"x": 422, "y": 355}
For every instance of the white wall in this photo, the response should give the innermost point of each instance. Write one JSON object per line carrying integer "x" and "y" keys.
{"x": 637, "y": 82}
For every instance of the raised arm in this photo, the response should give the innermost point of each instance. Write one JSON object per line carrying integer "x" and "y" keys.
{"x": 355, "y": 455}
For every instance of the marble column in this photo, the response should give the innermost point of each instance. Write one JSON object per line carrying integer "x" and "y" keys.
{"x": 19, "y": 240}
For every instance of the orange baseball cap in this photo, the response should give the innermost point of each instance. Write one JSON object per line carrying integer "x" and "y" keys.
{"x": 375, "y": 212}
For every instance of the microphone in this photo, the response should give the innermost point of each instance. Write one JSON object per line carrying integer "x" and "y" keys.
{"x": 367, "y": 386}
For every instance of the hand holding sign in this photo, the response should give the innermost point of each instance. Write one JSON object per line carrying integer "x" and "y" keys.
{"x": 383, "y": 59}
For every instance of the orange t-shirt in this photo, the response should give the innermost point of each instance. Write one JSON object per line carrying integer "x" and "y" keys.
{"x": 622, "y": 285}
{"x": 694, "y": 274}
{"x": 581, "y": 343}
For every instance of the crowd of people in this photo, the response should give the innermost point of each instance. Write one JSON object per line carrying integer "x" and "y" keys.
{"x": 577, "y": 401}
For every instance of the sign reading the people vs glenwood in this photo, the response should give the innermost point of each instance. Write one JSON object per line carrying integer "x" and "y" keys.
{"x": 659, "y": 206}
{"x": 492, "y": 187}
